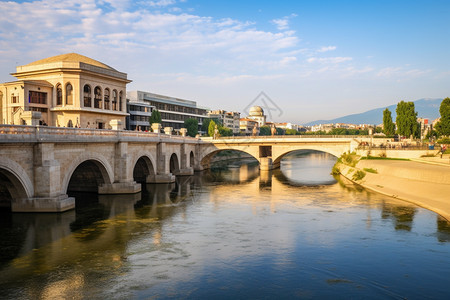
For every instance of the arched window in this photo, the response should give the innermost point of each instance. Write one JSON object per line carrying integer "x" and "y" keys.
{"x": 106, "y": 98}
{"x": 97, "y": 97}
{"x": 120, "y": 101}
{"x": 59, "y": 95}
{"x": 69, "y": 94}
{"x": 70, "y": 124}
{"x": 114, "y": 100}
{"x": 87, "y": 96}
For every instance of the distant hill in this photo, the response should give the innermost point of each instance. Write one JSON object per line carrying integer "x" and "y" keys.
{"x": 426, "y": 108}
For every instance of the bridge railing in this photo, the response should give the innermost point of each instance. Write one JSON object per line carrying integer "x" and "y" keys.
{"x": 288, "y": 137}
{"x": 24, "y": 133}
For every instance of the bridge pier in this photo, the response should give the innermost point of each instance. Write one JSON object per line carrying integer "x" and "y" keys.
{"x": 43, "y": 204}
{"x": 48, "y": 196}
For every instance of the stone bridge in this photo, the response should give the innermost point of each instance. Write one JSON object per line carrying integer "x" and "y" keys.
{"x": 270, "y": 150}
{"x": 40, "y": 166}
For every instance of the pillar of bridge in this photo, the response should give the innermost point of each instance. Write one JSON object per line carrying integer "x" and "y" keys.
{"x": 184, "y": 170}
{"x": 163, "y": 174}
{"x": 123, "y": 174}
{"x": 48, "y": 196}
{"x": 265, "y": 163}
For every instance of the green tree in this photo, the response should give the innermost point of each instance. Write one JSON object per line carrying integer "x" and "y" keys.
{"x": 224, "y": 131}
{"x": 264, "y": 130}
{"x": 191, "y": 125}
{"x": 211, "y": 128}
{"x": 406, "y": 119}
{"x": 443, "y": 126}
{"x": 155, "y": 117}
{"x": 280, "y": 131}
{"x": 388, "y": 125}
{"x": 291, "y": 132}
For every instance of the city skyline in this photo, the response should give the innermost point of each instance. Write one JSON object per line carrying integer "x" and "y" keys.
{"x": 346, "y": 57}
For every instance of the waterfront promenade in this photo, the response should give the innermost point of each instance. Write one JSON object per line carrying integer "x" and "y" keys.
{"x": 423, "y": 181}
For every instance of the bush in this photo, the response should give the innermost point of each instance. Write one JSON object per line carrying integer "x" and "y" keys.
{"x": 370, "y": 170}
{"x": 358, "y": 175}
{"x": 335, "y": 170}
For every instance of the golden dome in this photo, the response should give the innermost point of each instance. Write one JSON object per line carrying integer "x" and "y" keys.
{"x": 71, "y": 57}
{"x": 256, "y": 111}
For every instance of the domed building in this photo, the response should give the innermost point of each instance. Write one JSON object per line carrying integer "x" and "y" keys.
{"x": 257, "y": 113}
{"x": 68, "y": 90}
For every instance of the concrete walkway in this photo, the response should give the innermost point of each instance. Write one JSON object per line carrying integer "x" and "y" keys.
{"x": 424, "y": 182}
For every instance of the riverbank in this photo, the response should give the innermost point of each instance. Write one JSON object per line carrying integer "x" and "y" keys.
{"x": 424, "y": 182}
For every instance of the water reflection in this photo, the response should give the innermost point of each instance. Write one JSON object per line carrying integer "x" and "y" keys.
{"x": 229, "y": 232}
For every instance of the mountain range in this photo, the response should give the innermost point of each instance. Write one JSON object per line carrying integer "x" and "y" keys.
{"x": 427, "y": 108}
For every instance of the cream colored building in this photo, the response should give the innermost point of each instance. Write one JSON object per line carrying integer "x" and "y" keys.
{"x": 257, "y": 113}
{"x": 68, "y": 90}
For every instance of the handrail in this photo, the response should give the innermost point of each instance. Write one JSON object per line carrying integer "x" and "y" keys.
{"x": 24, "y": 133}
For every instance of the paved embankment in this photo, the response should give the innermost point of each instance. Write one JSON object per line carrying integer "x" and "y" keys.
{"x": 418, "y": 182}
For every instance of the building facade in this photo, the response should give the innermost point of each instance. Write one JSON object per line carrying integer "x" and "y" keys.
{"x": 174, "y": 111}
{"x": 229, "y": 119}
{"x": 257, "y": 113}
{"x": 68, "y": 90}
{"x": 139, "y": 116}
{"x": 247, "y": 126}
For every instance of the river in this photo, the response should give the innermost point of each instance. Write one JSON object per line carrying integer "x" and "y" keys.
{"x": 231, "y": 233}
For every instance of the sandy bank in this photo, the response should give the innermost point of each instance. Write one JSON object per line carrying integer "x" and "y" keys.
{"x": 426, "y": 185}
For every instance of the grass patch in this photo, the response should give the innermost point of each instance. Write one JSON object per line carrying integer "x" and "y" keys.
{"x": 384, "y": 158}
{"x": 350, "y": 159}
{"x": 370, "y": 170}
{"x": 358, "y": 175}
{"x": 335, "y": 170}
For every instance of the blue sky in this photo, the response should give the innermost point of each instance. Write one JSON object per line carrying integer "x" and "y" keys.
{"x": 314, "y": 59}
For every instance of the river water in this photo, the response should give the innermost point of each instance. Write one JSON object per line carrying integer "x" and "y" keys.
{"x": 231, "y": 233}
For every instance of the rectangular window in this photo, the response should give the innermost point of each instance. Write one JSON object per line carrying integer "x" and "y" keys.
{"x": 37, "y": 97}
{"x": 14, "y": 99}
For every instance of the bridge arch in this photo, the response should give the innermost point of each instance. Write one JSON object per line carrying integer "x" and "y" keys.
{"x": 16, "y": 181}
{"x": 174, "y": 164}
{"x": 191, "y": 159}
{"x": 144, "y": 161}
{"x": 94, "y": 164}
{"x": 206, "y": 160}
{"x": 143, "y": 167}
{"x": 280, "y": 152}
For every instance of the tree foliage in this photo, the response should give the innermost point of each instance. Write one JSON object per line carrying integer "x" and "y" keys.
{"x": 406, "y": 120}
{"x": 443, "y": 126}
{"x": 211, "y": 128}
{"x": 155, "y": 117}
{"x": 191, "y": 125}
{"x": 388, "y": 125}
{"x": 206, "y": 121}
{"x": 264, "y": 130}
{"x": 291, "y": 132}
{"x": 224, "y": 131}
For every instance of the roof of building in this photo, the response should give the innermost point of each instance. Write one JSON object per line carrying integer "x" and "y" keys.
{"x": 71, "y": 57}
{"x": 256, "y": 111}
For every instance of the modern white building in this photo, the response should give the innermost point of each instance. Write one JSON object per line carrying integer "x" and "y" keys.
{"x": 139, "y": 118}
{"x": 174, "y": 111}
{"x": 229, "y": 119}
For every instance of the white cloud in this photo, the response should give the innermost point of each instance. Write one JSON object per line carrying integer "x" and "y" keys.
{"x": 326, "y": 49}
{"x": 329, "y": 60}
{"x": 161, "y": 3}
{"x": 401, "y": 73}
{"x": 283, "y": 23}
